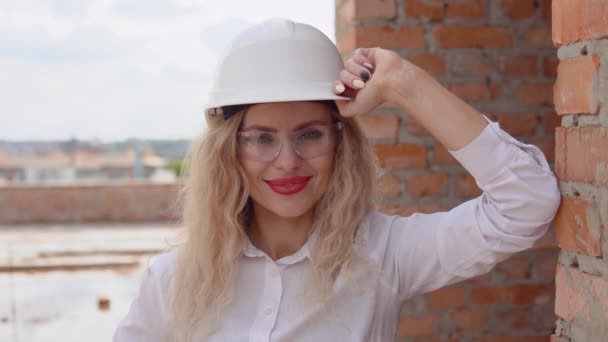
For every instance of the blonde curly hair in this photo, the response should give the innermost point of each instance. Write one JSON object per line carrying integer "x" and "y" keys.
{"x": 217, "y": 212}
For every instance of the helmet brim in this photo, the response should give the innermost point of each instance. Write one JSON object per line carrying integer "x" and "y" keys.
{"x": 274, "y": 93}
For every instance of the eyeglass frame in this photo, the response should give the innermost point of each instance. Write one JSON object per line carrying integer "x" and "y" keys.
{"x": 335, "y": 125}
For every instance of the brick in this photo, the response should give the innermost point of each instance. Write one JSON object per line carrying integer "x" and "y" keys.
{"x": 344, "y": 14}
{"x": 352, "y": 10}
{"x": 466, "y": 9}
{"x": 539, "y": 94}
{"x": 577, "y": 20}
{"x": 381, "y": 35}
{"x": 545, "y": 9}
{"x": 395, "y": 156}
{"x": 431, "y": 63}
{"x": 550, "y": 121}
{"x": 467, "y": 187}
{"x": 495, "y": 90}
{"x": 414, "y": 127}
{"x": 467, "y": 65}
{"x": 368, "y": 9}
{"x": 581, "y": 299}
{"x": 518, "y": 65}
{"x": 481, "y": 279}
{"x": 517, "y": 123}
{"x": 467, "y": 321}
{"x": 429, "y": 9}
{"x": 473, "y": 92}
{"x": 572, "y": 227}
{"x": 460, "y": 36}
{"x": 388, "y": 185}
{"x": 379, "y": 126}
{"x": 431, "y": 184}
{"x": 441, "y": 156}
{"x": 447, "y": 298}
{"x": 546, "y": 317}
{"x": 546, "y": 145}
{"x": 346, "y": 42}
{"x": 538, "y": 36}
{"x": 518, "y": 294}
{"x": 124, "y": 201}
{"x": 546, "y": 242}
{"x": 518, "y": 9}
{"x": 417, "y": 326}
{"x": 545, "y": 265}
{"x": 513, "y": 319}
{"x": 575, "y": 89}
{"x": 581, "y": 154}
{"x": 517, "y": 267}
{"x": 550, "y": 66}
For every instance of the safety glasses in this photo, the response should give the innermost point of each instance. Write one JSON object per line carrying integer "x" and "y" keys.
{"x": 310, "y": 142}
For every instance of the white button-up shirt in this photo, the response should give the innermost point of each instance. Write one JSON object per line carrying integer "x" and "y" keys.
{"x": 416, "y": 254}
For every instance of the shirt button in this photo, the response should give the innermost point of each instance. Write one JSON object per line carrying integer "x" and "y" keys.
{"x": 275, "y": 273}
{"x": 268, "y": 311}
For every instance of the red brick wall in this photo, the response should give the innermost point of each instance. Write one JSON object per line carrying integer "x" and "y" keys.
{"x": 579, "y": 29}
{"x": 116, "y": 202}
{"x": 497, "y": 55}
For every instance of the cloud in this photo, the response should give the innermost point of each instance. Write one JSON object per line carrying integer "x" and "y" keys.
{"x": 70, "y": 7}
{"x": 84, "y": 44}
{"x": 114, "y": 69}
{"x": 153, "y": 8}
{"x": 107, "y": 101}
{"x": 217, "y": 35}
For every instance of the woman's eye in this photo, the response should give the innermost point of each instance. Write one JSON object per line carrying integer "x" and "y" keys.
{"x": 264, "y": 139}
{"x": 311, "y": 134}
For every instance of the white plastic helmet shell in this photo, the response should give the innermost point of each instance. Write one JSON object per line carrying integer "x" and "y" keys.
{"x": 277, "y": 60}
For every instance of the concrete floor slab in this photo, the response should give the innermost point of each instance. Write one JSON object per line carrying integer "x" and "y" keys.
{"x": 59, "y": 300}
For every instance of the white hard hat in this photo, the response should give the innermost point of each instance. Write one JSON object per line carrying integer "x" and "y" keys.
{"x": 277, "y": 60}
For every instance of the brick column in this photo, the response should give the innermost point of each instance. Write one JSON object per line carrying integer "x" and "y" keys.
{"x": 581, "y": 90}
{"x": 498, "y": 56}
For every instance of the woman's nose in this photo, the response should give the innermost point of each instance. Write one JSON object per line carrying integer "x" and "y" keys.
{"x": 288, "y": 158}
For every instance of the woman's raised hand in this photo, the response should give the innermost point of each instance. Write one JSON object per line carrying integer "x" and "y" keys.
{"x": 373, "y": 76}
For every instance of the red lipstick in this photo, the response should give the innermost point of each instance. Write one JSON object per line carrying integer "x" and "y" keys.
{"x": 288, "y": 186}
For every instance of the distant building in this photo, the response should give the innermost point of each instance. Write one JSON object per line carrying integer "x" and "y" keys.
{"x": 81, "y": 165}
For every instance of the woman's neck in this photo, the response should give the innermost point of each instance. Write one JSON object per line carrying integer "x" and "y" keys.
{"x": 279, "y": 236}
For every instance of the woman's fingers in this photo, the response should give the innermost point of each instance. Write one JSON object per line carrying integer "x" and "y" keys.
{"x": 360, "y": 59}
{"x": 358, "y": 70}
{"x": 340, "y": 89}
{"x": 368, "y": 54}
{"x": 351, "y": 80}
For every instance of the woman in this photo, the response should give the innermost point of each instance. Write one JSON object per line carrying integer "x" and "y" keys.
{"x": 282, "y": 242}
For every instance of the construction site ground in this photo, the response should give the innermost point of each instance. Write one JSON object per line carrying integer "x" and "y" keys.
{"x": 73, "y": 282}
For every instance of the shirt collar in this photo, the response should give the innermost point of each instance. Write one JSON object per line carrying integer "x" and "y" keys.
{"x": 303, "y": 253}
{"x": 361, "y": 241}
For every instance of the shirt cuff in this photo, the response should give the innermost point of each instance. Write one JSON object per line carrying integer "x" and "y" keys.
{"x": 487, "y": 154}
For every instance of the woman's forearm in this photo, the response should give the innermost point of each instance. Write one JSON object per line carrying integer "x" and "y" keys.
{"x": 448, "y": 118}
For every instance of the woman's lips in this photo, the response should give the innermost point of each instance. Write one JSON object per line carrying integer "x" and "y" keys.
{"x": 288, "y": 186}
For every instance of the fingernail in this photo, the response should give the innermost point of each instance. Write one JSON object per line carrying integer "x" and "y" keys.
{"x": 340, "y": 88}
{"x": 365, "y": 76}
{"x": 367, "y": 65}
{"x": 358, "y": 84}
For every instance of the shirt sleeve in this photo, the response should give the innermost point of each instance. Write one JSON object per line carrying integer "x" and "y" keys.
{"x": 519, "y": 200}
{"x": 146, "y": 319}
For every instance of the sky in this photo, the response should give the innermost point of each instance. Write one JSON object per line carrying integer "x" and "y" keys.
{"x": 113, "y": 69}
